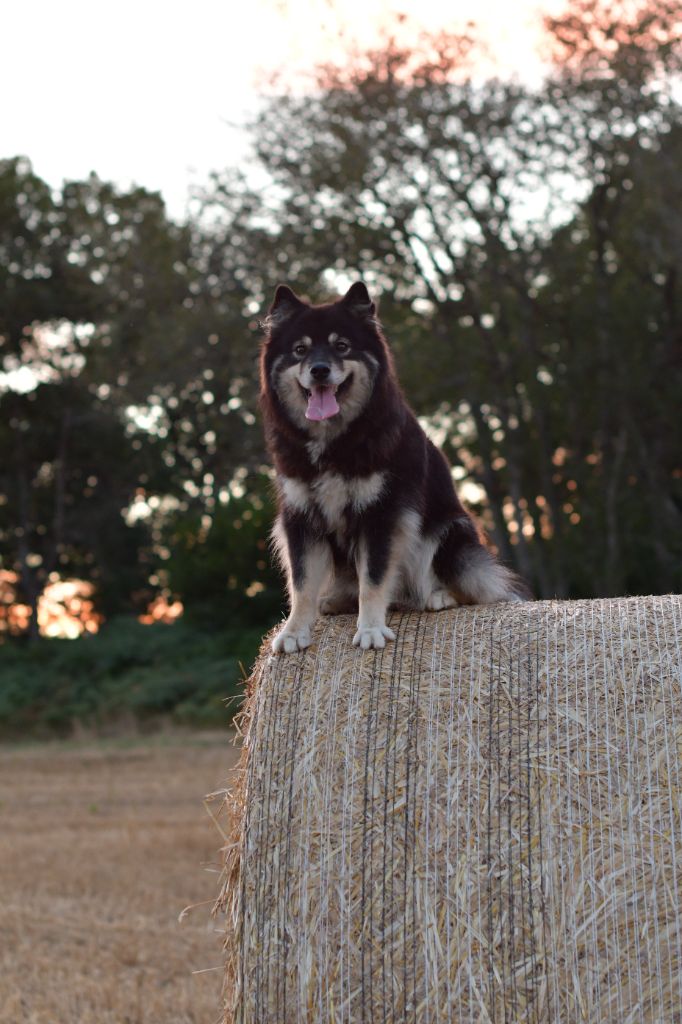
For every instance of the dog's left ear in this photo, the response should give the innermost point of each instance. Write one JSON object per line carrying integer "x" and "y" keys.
{"x": 358, "y": 301}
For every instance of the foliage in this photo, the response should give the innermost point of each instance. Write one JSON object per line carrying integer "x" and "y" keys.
{"x": 124, "y": 380}
{"x": 525, "y": 243}
{"x": 527, "y": 240}
{"x": 64, "y": 485}
{"x": 126, "y": 672}
{"x": 223, "y": 569}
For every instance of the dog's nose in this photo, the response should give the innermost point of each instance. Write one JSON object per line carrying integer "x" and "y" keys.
{"x": 320, "y": 371}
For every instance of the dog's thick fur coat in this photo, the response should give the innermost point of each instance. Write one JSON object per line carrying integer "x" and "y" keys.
{"x": 368, "y": 514}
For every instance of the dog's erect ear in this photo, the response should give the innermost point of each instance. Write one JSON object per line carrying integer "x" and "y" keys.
{"x": 284, "y": 297}
{"x": 358, "y": 302}
{"x": 284, "y": 305}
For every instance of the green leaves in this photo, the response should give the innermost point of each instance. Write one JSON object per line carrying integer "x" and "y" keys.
{"x": 148, "y": 674}
{"x": 527, "y": 277}
{"x": 524, "y": 244}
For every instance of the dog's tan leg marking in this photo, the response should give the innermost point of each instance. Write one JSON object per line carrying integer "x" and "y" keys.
{"x": 375, "y": 598}
{"x": 372, "y": 630}
{"x": 295, "y": 634}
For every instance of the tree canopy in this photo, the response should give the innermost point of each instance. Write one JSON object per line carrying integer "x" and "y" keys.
{"x": 524, "y": 243}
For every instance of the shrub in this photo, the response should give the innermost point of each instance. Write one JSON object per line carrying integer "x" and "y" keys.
{"x": 127, "y": 670}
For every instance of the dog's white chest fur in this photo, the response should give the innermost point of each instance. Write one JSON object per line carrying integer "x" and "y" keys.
{"x": 331, "y": 494}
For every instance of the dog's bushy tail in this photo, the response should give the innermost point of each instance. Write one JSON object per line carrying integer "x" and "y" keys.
{"x": 466, "y": 567}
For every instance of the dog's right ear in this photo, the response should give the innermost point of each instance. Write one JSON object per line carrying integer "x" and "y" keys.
{"x": 284, "y": 305}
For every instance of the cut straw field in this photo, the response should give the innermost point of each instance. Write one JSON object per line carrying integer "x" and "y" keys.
{"x": 102, "y": 845}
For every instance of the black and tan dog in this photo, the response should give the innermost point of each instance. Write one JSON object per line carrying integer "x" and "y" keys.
{"x": 368, "y": 514}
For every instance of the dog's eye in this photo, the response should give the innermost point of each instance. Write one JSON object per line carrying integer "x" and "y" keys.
{"x": 341, "y": 347}
{"x": 300, "y": 350}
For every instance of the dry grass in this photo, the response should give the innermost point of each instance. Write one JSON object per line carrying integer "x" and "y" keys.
{"x": 101, "y": 848}
{"x": 482, "y": 823}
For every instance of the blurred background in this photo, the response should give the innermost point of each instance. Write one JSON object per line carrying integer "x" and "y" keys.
{"x": 506, "y": 179}
{"x": 509, "y": 189}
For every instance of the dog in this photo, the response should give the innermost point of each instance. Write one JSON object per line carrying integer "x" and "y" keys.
{"x": 368, "y": 516}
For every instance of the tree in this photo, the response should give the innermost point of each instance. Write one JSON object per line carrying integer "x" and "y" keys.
{"x": 222, "y": 567}
{"x": 487, "y": 214}
{"x": 64, "y": 484}
{"x": 129, "y": 385}
{"x": 91, "y": 279}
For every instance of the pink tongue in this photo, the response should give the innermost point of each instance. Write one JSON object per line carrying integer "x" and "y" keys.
{"x": 322, "y": 404}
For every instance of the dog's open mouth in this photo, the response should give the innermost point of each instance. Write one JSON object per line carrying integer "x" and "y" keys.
{"x": 322, "y": 400}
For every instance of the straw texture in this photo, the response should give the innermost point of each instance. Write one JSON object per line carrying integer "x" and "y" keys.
{"x": 479, "y": 823}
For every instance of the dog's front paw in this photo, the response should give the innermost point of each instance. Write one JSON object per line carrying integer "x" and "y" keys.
{"x": 372, "y": 636}
{"x": 289, "y": 640}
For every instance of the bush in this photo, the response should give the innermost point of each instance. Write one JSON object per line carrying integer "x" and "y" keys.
{"x": 175, "y": 672}
{"x": 226, "y": 574}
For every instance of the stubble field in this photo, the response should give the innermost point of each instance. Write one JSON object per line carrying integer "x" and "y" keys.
{"x": 102, "y": 845}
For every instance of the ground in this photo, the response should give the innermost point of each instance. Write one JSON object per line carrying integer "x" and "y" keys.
{"x": 102, "y": 845}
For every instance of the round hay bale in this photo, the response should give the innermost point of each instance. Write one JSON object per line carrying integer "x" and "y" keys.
{"x": 479, "y": 823}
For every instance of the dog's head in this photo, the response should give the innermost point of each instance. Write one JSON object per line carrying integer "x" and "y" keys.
{"x": 322, "y": 362}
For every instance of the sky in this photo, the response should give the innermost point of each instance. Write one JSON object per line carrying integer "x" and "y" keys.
{"x": 157, "y": 94}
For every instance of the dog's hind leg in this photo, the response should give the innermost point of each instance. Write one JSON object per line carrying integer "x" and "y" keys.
{"x": 308, "y": 564}
{"x": 342, "y": 596}
{"x": 440, "y": 598}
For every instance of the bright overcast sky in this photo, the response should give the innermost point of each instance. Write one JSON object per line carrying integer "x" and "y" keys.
{"x": 146, "y": 92}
